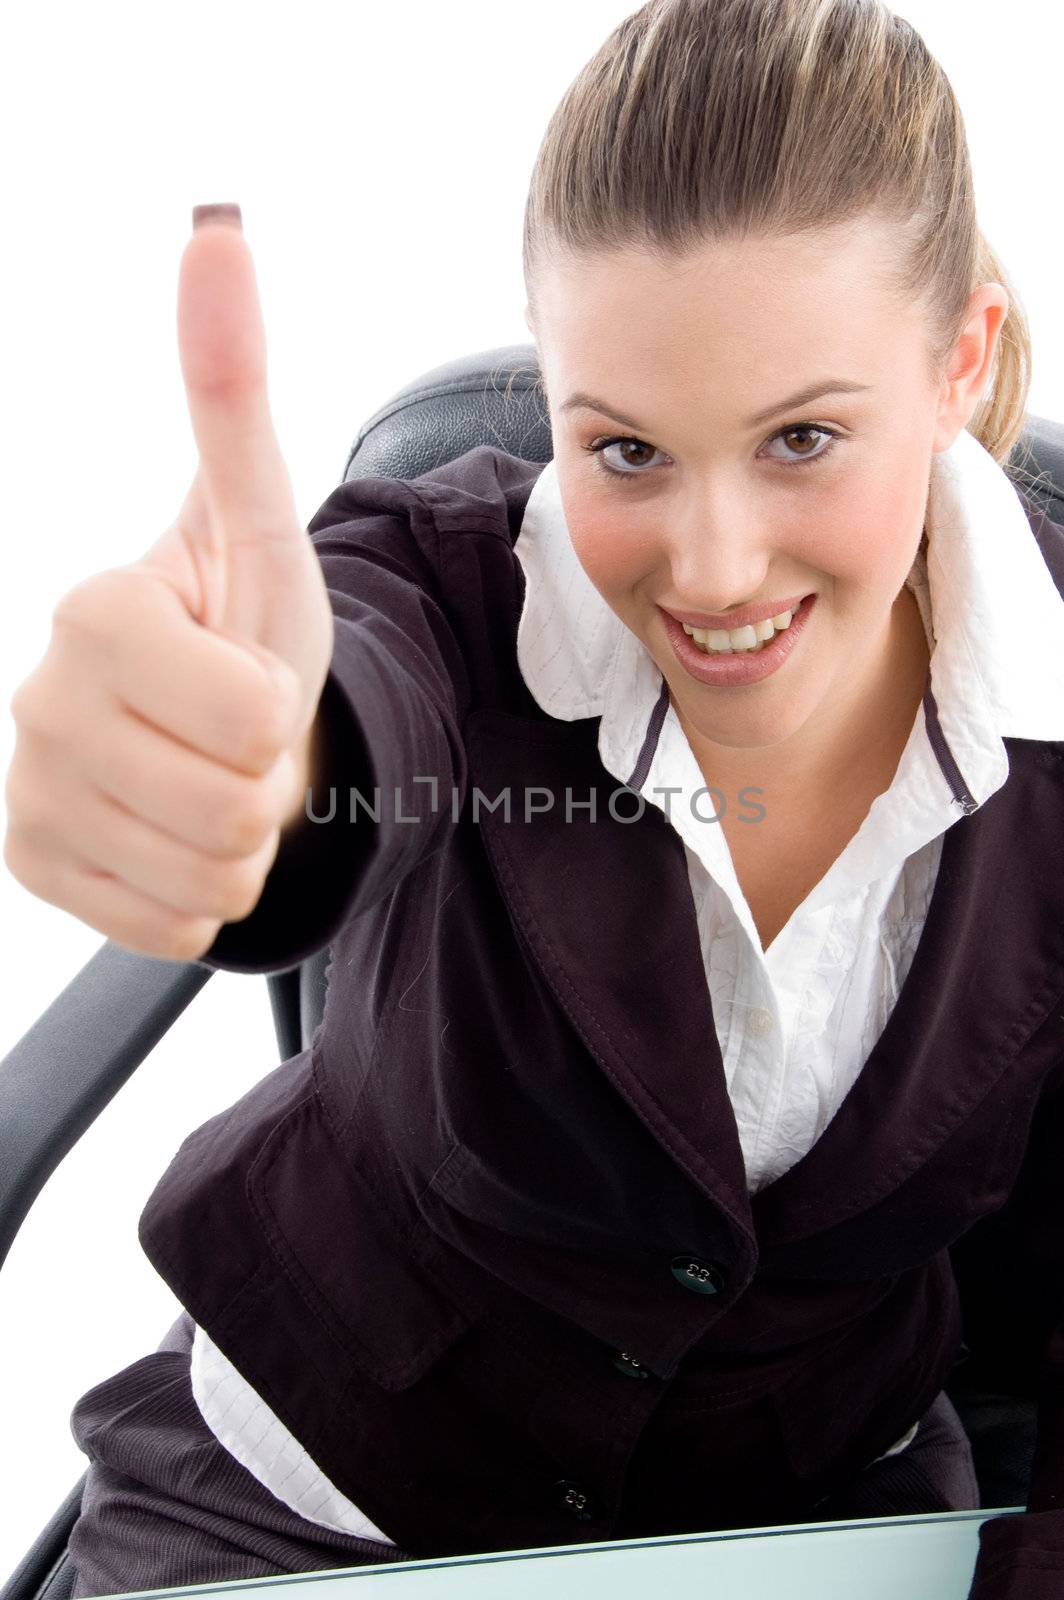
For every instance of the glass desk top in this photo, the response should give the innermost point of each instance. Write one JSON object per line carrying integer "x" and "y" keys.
{"x": 928, "y": 1557}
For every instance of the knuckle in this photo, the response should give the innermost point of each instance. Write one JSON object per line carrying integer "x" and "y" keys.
{"x": 245, "y": 818}
{"x": 20, "y": 859}
{"x": 231, "y": 890}
{"x": 266, "y": 732}
{"x": 244, "y": 891}
{"x": 191, "y": 937}
{"x": 32, "y": 709}
{"x": 13, "y": 801}
{"x": 173, "y": 938}
{"x": 26, "y": 806}
{"x": 88, "y": 608}
{"x": 20, "y": 701}
{"x": 36, "y": 869}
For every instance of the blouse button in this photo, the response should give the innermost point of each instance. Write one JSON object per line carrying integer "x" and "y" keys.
{"x": 760, "y": 1020}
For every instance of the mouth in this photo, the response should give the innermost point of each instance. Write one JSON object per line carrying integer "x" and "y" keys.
{"x": 742, "y": 617}
{"x": 750, "y": 658}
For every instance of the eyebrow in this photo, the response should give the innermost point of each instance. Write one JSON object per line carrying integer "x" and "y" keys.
{"x": 814, "y": 391}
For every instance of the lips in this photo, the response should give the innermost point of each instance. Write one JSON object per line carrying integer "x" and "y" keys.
{"x": 738, "y": 669}
{"x": 744, "y": 616}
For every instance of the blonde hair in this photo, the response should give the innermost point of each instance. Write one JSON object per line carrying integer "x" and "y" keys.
{"x": 703, "y": 119}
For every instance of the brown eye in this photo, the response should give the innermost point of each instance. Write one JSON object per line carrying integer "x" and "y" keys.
{"x": 813, "y": 444}
{"x": 633, "y": 452}
{"x": 793, "y": 433}
{"x": 633, "y": 460}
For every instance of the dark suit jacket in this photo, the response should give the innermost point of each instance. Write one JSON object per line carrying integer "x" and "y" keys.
{"x": 486, "y": 1247}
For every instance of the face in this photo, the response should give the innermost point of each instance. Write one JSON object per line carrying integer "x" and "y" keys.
{"x": 717, "y": 492}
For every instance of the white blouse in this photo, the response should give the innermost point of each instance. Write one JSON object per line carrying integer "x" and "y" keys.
{"x": 797, "y": 1022}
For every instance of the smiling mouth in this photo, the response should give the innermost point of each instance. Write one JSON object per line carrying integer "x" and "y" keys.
{"x": 746, "y": 639}
{"x": 743, "y": 617}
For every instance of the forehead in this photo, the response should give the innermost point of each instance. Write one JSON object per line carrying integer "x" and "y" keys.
{"x": 743, "y": 311}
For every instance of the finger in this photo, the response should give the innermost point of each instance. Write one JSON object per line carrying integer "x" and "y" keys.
{"x": 206, "y": 691}
{"x": 229, "y": 697}
{"x": 102, "y": 901}
{"x": 194, "y": 801}
{"x": 106, "y": 836}
{"x": 222, "y": 346}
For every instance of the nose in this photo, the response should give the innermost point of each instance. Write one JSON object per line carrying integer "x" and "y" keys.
{"x": 721, "y": 561}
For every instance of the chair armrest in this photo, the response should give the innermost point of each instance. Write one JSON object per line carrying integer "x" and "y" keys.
{"x": 75, "y": 1058}
{"x": 46, "y": 1571}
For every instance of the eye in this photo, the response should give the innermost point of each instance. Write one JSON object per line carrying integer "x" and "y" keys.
{"x": 601, "y": 445}
{"x": 805, "y": 456}
{"x": 636, "y": 469}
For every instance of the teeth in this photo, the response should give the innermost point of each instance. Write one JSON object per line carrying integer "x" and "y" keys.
{"x": 723, "y": 641}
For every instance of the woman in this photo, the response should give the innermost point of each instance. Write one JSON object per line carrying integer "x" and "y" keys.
{"x": 614, "y": 1196}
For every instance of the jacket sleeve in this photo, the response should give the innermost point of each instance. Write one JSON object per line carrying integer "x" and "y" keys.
{"x": 391, "y": 711}
{"x": 1019, "y": 1326}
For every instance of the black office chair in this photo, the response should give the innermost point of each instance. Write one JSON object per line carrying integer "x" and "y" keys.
{"x": 80, "y": 1052}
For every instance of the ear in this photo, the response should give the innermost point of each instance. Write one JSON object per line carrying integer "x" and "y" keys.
{"x": 971, "y": 361}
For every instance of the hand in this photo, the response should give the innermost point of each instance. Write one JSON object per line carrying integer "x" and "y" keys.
{"x": 162, "y": 740}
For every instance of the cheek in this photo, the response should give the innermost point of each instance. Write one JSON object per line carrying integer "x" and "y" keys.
{"x": 866, "y": 537}
{"x": 615, "y": 548}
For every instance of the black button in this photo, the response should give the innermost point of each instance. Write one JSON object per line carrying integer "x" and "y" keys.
{"x": 629, "y": 1365}
{"x": 574, "y": 1499}
{"x": 704, "y": 1277}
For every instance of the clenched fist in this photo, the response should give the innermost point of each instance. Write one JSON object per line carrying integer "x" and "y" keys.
{"x": 167, "y": 736}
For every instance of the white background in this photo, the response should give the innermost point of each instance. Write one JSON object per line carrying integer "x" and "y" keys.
{"x": 381, "y": 158}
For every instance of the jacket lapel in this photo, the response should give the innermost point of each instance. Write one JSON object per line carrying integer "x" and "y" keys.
{"x": 606, "y": 910}
{"x": 605, "y": 907}
{"x": 987, "y": 973}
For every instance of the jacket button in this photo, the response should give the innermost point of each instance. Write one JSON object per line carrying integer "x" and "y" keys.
{"x": 703, "y": 1277}
{"x": 629, "y": 1365}
{"x": 574, "y": 1499}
